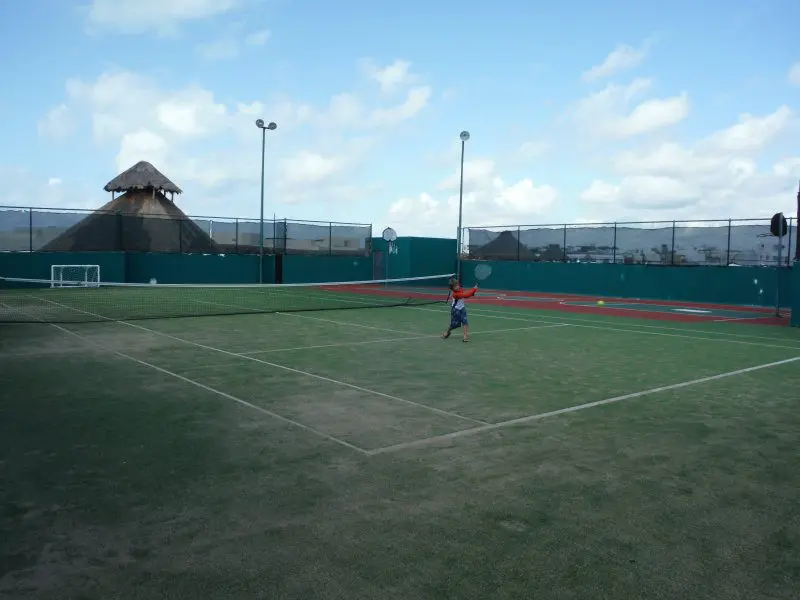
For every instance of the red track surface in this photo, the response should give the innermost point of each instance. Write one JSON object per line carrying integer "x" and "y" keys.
{"x": 556, "y": 302}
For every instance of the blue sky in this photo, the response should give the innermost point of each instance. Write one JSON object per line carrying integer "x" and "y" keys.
{"x": 578, "y": 111}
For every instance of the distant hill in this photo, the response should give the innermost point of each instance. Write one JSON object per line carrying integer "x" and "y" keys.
{"x": 704, "y": 245}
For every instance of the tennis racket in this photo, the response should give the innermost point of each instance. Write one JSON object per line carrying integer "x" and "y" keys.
{"x": 482, "y": 272}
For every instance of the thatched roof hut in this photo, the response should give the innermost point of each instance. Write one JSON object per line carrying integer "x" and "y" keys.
{"x": 142, "y": 219}
{"x": 505, "y": 246}
{"x": 142, "y": 176}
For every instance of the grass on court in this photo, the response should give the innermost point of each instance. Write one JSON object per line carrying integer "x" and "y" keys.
{"x": 315, "y": 455}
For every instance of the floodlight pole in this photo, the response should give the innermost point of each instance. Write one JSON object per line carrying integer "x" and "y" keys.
{"x": 271, "y": 126}
{"x": 464, "y": 137}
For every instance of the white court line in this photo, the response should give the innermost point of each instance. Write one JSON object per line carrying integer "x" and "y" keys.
{"x": 479, "y": 308}
{"x": 278, "y": 366}
{"x": 570, "y": 409}
{"x": 404, "y": 332}
{"x": 535, "y": 319}
{"x": 225, "y": 395}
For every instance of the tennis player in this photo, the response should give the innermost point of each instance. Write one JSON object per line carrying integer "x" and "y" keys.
{"x": 458, "y": 310}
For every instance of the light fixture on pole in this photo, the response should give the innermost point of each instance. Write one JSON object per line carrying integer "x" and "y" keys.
{"x": 390, "y": 236}
{"x": 464, "y": 137}
{"x": 271, "y": 126}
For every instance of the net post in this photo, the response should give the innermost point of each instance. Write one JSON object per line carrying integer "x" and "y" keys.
{"x": 672, "y": 250}
{"x": 614, "y": 245}
{"x": 728, "y": 252}
{"x": 564, "y": 253}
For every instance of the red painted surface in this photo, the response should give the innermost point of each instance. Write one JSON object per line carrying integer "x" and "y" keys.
{"x": 556, "y": 302}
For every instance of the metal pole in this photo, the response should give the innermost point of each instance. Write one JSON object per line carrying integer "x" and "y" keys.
{"x": 519, "y": 242}
{"x": 30, "y": 230}
{"x": 728, "y": 256}
{"x": 672, "y": 250}
{"x": 778, "y": 276}
{"x": 614, "y": 246}
{"x": 261, "y": 220}
{"x": 460, "y": 208}
{"x": 789, "y": 245}
{"x": 564, "y": 254}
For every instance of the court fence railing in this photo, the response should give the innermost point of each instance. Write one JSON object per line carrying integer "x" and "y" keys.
{"x": 34, "y": 229}
{"x": 728, "y": 242}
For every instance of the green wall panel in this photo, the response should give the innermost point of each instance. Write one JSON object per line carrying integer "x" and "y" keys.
{"x": 728, "y": 285}
{"x": 299, "y": 268}
{"x": 432, "y": 256}
{"x": 197, "y": 268}
{"x": 36, "y": 265}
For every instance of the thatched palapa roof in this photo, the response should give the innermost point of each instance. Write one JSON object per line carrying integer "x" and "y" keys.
{"x": 504, "y": 246}
{"x": 142, "y": 219}
{"x": 142, "y": 176}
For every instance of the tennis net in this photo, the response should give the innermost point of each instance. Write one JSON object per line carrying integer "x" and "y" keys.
{"x": 39, "y": 301}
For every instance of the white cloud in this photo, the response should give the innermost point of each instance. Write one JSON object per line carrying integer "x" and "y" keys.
{"x": 488, "y": 200}
{"x": 623, "y": 57}
{"x": 58, "y": 123}
{"x": 718, "y": 177}
{"x": 391, "y": 77}
{"x": 54, "y": 181}
{"x": 230, "y": 46}
{"x": 416, "y": 100}
{"x": 221, "y": 49}
{"x": 607, "y": 113}
{"x": 310, "y": 168}
{"x": 142, "y": 145}
{"x": 794, "y": 74}
{"x": 135, "y": 16}
{"x": 258, "y": 38}
{"x": 532, "y": 149}
{"x": 751, "y": 133}
{"x": 787, "y": 167}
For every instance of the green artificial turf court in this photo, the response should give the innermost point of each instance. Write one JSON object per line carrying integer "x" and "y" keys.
{"x": 355, "y": 454}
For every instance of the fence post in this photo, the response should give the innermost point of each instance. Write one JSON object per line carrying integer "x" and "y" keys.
{"x": 789, "y": 245}
{"x": 519, "y": 242}
{"x": 236, "y": 237}
{"x": 672, "y": 250}
{"x": 564, "y": 259}
{"x": 30, "y": 229}
{"x": 728, "y": 252}
{"x": 180, "y": 236}
{"x": 330, "y": 239}
{"x": 614, "y": 245}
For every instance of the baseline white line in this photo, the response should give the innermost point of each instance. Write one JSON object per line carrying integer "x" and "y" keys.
{"x": 279, "y": 366}
{"x": 412, "y": 333}
{"x": 537, "y": 319}
{"x": 225, "y": 395}
{"x": 485, "y": 309}
{"x": 570, "y": 409}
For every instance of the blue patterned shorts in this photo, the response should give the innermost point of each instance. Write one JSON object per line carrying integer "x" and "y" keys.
{"x": 458, "y": 317}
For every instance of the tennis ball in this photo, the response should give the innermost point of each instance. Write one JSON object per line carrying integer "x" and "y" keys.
{"x": 600, "y": 303}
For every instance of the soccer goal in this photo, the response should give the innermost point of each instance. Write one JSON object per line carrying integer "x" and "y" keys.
{"x": 74, "y": 275}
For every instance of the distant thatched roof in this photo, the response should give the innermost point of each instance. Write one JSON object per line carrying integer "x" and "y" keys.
{"x": 503, "y": 247}
{"x": 137, "y": 221}
{"x": 141, "y": 176}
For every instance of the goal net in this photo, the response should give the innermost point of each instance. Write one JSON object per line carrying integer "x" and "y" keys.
{"x": 74, "y": 275}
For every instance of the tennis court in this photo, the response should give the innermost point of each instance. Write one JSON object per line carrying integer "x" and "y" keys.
{"x": 355, "y": 454}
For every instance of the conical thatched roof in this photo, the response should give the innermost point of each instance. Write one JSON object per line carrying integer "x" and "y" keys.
{"x": 504, "y": 247}
{"x": 137, "y": 221}
{"x": 141, "y": 176}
